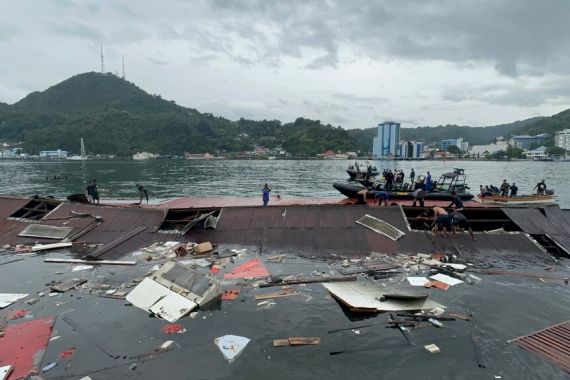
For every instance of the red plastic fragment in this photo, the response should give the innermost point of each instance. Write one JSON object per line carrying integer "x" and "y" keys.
{"x": 230, "y": 294}
{"x": 24, "y": 344}
{"x": 67, "y": 353}
{"x": 214, "y": 270}
{"x": 172, "y": 328}
{"x": 253, "y": 268}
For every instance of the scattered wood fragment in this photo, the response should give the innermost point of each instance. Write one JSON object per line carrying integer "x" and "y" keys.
{"x": 279, "y": 294}
{"x": 297, "y": 341}
{"x": 92, "y": 262}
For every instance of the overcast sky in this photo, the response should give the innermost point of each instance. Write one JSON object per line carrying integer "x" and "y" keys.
{"x": 345, "y": 62}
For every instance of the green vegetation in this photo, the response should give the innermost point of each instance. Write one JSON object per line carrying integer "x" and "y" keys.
{"x": 117, "y": 117}
{"x": 454, "y": 149}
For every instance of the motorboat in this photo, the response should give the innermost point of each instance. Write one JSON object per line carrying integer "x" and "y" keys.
{"x": 441, "y": 189}
{"x": 518, "y": 201}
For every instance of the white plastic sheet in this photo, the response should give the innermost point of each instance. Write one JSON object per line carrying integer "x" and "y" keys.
{"x": 231, "y": 346}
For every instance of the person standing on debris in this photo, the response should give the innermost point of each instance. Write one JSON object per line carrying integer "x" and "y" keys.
{"x": 419, "y": 195}
{"x": 412, "y": 176}
{"x": 441, "y": 221}
{"x": 265, "y": 194}
{"x": 505, "y": 188}
{"x": 456, "y": 202}
{"x": 428, "y": 182}
{"x": 142, "y": 193}
{"x": 514, "y": 190}
{"x": 540, "y": 188}
{"x": 92, "y": 192}
{"x": 459, "y": 220}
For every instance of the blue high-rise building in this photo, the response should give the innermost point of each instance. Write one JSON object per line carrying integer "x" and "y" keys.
{"x": 387, "y": 142}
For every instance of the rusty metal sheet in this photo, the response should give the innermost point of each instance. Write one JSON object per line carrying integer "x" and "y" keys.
{"x": 552, "y": 344}
{"x": 9, "y": 205}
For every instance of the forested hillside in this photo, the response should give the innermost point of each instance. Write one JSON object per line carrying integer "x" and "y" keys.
{"x": 115, "y": 116}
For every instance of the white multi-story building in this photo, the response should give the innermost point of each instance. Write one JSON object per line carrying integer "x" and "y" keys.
{"x": 562, "y": 139}
{"x": 387, "y": 141}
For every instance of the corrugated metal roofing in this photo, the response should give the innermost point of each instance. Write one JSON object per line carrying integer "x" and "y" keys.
{"x": 552, "y": 344}
{"x": 532, "y": 221}
{"x": 558, "y": 217}
{"x": 9, "y": 205}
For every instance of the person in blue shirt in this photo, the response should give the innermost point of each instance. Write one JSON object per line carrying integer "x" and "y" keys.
{"x": 428, "y": 182}
{"x": 265, "y": 197}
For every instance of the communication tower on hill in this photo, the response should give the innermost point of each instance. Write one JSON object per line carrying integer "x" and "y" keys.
{"x": 123, "y": 59}
{"x": 102, "y": 61}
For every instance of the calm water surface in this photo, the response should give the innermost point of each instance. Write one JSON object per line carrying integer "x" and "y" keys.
{"x": 311, "y": 178}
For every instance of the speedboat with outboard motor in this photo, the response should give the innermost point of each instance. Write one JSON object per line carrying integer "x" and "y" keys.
{"x": 441, "y": 190}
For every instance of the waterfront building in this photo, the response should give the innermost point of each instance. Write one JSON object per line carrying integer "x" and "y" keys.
{"x": 485, "y": 150}
{"x": 387, "y": 141}
{"x": 463, "y": 145}
{"x": 536, "y": 154}
{"x": 562, "y": 139}
{"x": 54, "y": 153}
{"x": 525, "y": 141}
{"x": 411, "y": 150}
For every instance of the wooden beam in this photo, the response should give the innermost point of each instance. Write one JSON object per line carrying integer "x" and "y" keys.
{"x": 91, "y": 262}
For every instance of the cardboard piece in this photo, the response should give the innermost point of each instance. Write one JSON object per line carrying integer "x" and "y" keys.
{"x": 297, "y": 341}
{"x": 204, "y": 247}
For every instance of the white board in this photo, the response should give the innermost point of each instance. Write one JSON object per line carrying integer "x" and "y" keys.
{"x": 173, "y": 307}
{"x": 446, "y": 279}
{"x": 417, "y": 281}
{"x": 231, "y": 346}
{"x": 361, "y": 295}
{"x": 147, "y": 293}
{"x": 5, "y": 371}
{"x": 7, "y": 299}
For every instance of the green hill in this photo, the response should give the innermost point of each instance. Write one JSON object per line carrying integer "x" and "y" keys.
{"x": 115, "y": 116}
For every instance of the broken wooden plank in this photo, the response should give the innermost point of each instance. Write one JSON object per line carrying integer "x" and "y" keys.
{"x": 118, "y": 241}
{"x": 45, "y": 247}
{"x": 280, "y": 342}
{"x": 92, "y": 262}
{"x": 301, "y": 341}
{"x": 279, "y": 294}
{"x": 297, "y": 341}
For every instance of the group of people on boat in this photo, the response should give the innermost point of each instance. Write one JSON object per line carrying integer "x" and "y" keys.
{"x": 509, "y": 190}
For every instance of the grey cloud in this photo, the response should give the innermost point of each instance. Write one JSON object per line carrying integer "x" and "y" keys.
{"x": 552, "y": 91}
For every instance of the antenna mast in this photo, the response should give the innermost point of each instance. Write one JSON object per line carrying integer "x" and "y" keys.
{"x": 123, "y": 58}
{"x": 102, "y": 61}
